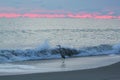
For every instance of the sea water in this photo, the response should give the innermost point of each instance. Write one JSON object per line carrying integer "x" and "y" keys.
{"x": 34, "y": 38}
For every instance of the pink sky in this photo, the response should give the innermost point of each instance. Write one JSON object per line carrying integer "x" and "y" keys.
{"x": 100, "y": 9}
{"x": 67, "y": 15}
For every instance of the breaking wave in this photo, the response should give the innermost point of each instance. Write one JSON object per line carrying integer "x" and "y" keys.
{"x": 45, "y": 51}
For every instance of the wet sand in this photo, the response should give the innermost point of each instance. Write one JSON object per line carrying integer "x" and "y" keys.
{"x": 110, "y": 72}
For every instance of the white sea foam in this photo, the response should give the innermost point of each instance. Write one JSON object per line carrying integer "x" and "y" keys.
{"x": 45, "y": 51}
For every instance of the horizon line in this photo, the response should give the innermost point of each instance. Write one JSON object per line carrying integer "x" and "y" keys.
{"x": 54, "y": 15}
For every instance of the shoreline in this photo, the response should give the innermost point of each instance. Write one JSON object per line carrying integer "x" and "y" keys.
{"x": 111, "y": 72}
{"x": 78, "y": 68}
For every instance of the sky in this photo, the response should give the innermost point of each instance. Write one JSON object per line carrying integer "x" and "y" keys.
{"x": 60, "y": 8}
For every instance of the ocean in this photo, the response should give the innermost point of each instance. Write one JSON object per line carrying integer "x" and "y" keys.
{"x": 37, "y": 38}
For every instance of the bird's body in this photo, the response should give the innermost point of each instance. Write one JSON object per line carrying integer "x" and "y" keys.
{"x": 62, "y": 53}
{"x": 63, "y": 56}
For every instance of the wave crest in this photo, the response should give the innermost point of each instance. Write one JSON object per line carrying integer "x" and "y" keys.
{"x": 44, "y": 51}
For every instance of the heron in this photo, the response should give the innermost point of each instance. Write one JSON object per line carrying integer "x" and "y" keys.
{"x": 62, "y": 53}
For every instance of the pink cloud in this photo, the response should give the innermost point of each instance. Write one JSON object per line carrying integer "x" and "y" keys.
{"x": 118, "y": 17}
{"x": 30, "y": 15}
{"x": 41, "y": 13}
{"x": 104, "y": 17}
{"x": 111, "y": 13}
{"x": 79, "y": 15}
{"x": 67, "y": 15}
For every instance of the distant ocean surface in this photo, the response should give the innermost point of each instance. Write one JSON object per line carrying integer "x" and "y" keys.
{"x": 36, "y": 38}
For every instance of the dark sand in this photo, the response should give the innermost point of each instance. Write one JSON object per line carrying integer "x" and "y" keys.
{"x": 111, "y": 72}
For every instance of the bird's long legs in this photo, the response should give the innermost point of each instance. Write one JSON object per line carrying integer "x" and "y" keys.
{"x": 63, "y": 60}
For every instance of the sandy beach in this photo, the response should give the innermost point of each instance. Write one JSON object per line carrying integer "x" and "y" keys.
{"x": 108, "y": 72}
